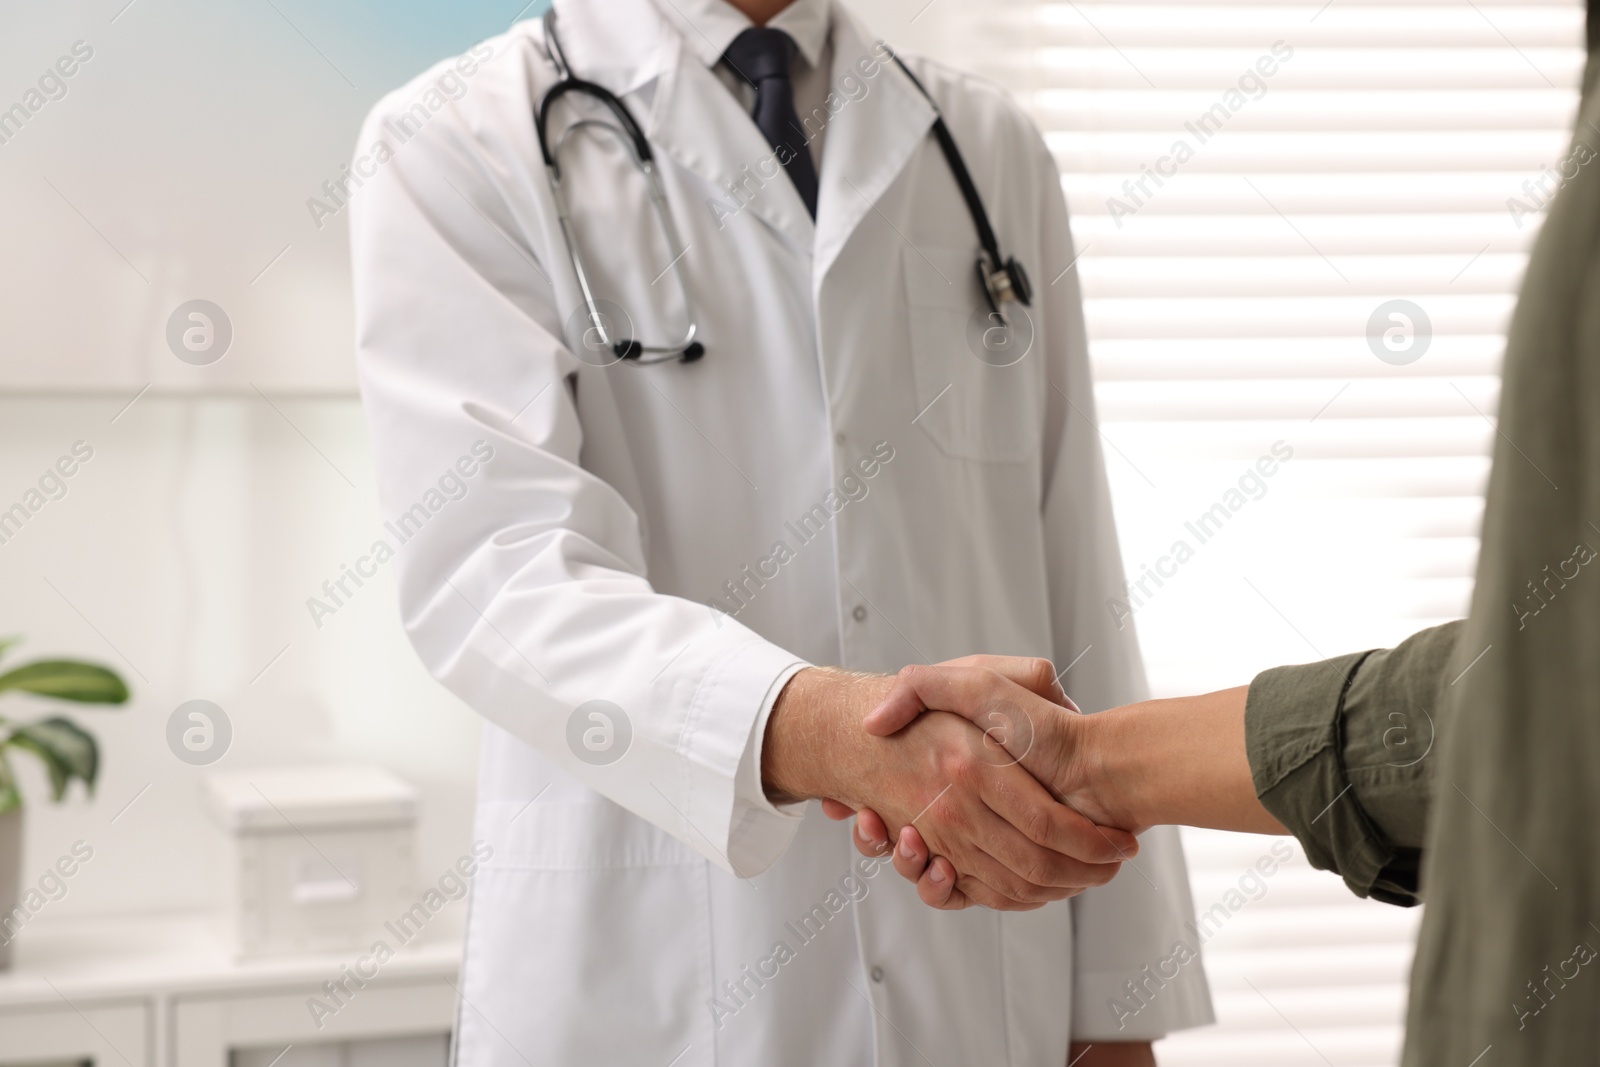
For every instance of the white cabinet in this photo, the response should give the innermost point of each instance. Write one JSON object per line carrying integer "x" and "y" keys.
{"x": 157, "y": 991}
{"x": 377, "y": 1052}
{"x": 205, "y": 1030}
{"x": 101, "y": 1032}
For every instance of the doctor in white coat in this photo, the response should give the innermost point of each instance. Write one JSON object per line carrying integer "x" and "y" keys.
{"x": 628, "y": 569}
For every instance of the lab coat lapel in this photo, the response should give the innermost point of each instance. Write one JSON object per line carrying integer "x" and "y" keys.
{"x": 689, "y": 116}
{"x": 870, "y": 138}
{"x": 700, "y": 125}
{"x": 620, "y": 44}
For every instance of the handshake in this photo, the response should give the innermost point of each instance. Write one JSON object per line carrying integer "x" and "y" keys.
{"x": 992, "y": 786}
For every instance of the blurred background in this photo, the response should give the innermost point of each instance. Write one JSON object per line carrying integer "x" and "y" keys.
{"x": 1243, "y": 304}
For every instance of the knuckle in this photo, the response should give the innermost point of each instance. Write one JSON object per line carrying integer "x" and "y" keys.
{"x": 949, "y": 813}
{"x": 1040, "y": 872}
{"x": 1036, "y": 894}
{"x": 973, "y": 890}
{"x": 1042, "y": 672}
{"x": 1037, "y": 825}
{"x": 1047, "y": 874}
{"x": 988, "y": 897}
{"x": 1020, "y": 888}
{"x": 959, "y": 767}
{"x": 1034, "y": 881}
{"x": 999, "y": 879}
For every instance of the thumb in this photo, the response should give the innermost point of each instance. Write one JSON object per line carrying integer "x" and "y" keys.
{"x": 898, "y": 709}
{"x": 908, "y": 699}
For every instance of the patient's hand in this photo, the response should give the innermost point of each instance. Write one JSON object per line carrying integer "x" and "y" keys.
{"x": 1180, "y": 761}
{"x": 1024, "y": 718}
{"x": 1012, "y": 844}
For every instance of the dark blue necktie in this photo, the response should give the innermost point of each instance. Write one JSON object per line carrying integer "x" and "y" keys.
{"x": 762, "y": 56}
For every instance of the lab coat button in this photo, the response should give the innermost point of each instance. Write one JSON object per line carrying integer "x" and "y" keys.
{"x": 877, "y": 974}
{"x": 860, "y": 613}
{"x": 838, "y": 438}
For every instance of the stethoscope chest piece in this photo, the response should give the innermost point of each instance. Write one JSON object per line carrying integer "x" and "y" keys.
{"x": 631, "y": 349}
{"x": 1006, "y": 283}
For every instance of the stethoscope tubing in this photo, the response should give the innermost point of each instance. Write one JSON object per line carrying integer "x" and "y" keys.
{"x": 1003, "y": 279}
{"x": 625, "y": 349}
{"x": 637, "y": 351}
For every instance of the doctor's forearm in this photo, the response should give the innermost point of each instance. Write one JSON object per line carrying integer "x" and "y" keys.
{"x": 807, "y": 753}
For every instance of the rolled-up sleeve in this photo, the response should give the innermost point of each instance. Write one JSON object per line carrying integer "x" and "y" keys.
{"x": 1342, "y": 753}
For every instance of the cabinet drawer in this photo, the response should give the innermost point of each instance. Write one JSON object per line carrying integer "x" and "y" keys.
{"x": 206, "y": 1030}
{"x": 430, "y": 1051}
{"x": 105, "y": 1033}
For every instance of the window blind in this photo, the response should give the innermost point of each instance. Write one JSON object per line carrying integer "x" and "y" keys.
{"x": 1252, "y": 186}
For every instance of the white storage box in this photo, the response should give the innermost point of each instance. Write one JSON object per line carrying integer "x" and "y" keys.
{"x": 316, "y": 858}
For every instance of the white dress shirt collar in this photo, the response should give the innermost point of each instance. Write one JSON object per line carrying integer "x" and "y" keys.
{"x": 709, "y": 26}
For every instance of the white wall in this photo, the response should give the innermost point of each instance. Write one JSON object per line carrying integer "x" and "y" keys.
{"x": 191, "y": 540}
{"x": 183, "y": 554}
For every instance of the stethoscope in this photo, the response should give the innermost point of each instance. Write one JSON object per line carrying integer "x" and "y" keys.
{"x": 1002, "y": 279}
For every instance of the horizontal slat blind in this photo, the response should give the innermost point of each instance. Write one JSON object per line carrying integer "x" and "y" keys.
{"x": 1301, "y": 973}
{"x": 1368, "y": 154}
{"x": 1381, "y": 158}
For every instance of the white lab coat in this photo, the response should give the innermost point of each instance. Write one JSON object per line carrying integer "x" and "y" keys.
{"x": 577, "y": 563}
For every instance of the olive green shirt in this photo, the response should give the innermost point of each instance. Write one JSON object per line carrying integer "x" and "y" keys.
{"x": 1464, "y": 765}
{"x": 1342, "y": 754}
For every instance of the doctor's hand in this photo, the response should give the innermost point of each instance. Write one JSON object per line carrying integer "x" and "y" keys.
{"x": 1175, "y": 761}
{"x": 1010, "y": 845}
{"x": 1025, "y": 720}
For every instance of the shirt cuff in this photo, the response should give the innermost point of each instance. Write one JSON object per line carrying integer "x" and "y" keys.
{"x": 760, "y": 830}
{"x": 1295, "y": 737}
{"x": 1105, "y": 1011}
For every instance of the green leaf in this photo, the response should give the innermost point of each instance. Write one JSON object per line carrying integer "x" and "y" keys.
{"x": 67, "y": 679}
{"x": 10, "y": 798}
{"x": 67, "y": 751}
{"x": 7, "y": 643}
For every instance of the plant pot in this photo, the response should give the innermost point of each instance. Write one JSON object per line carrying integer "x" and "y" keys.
{"x": 10, "y": 880}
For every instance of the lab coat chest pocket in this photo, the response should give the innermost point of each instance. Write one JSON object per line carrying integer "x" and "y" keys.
{"x": 976, "y": 383}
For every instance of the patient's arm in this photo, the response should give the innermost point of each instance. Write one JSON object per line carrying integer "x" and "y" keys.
{"x": 1334, "y": 752}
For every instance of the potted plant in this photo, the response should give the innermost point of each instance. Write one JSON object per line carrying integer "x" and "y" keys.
{"x": 66, "y": 750}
